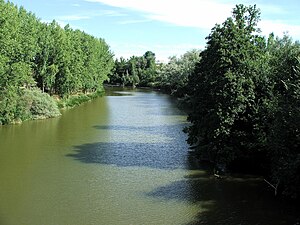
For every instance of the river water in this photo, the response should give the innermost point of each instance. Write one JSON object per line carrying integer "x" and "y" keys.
{"x": 121, "y": 159}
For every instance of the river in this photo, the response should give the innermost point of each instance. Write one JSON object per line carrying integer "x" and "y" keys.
{"x": 121, "y": 159}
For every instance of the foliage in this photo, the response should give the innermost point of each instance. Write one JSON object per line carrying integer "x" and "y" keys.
{"x": 223, "y": 88}
{"x": 8, "y": 104}
{"x": 38, "y": 105}
{"x": 75, "y": 100}
{"x": 144, "y": 71}
{"x": 244, "y": 94}
{"x": 25, "y": 104}
{"x": 59, "y": 61}
{"x": 174, "y": 76}
{"x": 136, "y": 71}
{"x": 284, "y": 140}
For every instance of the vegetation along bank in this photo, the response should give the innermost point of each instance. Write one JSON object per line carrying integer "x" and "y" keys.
{"x": 39, "y": 60}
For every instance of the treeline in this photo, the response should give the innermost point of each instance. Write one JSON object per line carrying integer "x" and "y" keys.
{"x": 39, "y": 59}
{"x": 245, "y": 101}
{"x": 145, "y": 71}
{"x": 136, "y": 71}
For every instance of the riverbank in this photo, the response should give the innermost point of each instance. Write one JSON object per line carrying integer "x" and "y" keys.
{"x": 33, "y": 104}
{"x": 77, "y": 99}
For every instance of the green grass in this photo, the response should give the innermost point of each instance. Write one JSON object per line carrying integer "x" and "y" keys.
{"x": 75, "y": 100}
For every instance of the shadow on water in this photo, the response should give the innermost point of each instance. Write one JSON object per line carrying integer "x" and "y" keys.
{"x": 232, "y": 200}
{"x": 153, "y": 155}
{"x": 156, "y": 154}
{"x": 161, "y": 129}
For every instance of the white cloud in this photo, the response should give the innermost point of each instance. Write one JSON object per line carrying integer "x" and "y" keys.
{"x": 76, "y": 5}
{"x": 89, "y": 15}
{"x": 192, "y": 13}
{"x": 200, "y": 14}
{"x": 279, "y": 28}
{"x": 203, "y": 14}
{"x": 112, "y": 13}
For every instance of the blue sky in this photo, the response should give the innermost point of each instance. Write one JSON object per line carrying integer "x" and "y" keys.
{"x": 166, "y": 27}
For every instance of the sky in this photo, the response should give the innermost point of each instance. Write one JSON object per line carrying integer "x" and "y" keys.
{"x": 165, "y": 27}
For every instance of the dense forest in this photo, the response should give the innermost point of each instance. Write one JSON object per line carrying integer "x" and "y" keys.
{"x": 242, "y": 90}
{"x": 39, "y": 60}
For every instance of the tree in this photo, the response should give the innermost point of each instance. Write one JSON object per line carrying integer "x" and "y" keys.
{"x": 174, "y": 75}
{"x": 45, "y": 67}
{"x": 133, "y": 71}
{"x": 148, "y": 73}
{"x": 58, "y": 61}
{"x": 138, "y": 70}
{"x": 223, "y": 89}
{"x": 284, "y": 135}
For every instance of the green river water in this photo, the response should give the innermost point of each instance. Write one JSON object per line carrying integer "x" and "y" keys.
{"x": 121, "y": 159}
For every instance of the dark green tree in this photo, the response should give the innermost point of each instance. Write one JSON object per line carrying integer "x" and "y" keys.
{"x": 133, "y": 71}
{"x": 223, "y": 88}
{"x": 284, "y": 136}
{"x": 147, "y": 69}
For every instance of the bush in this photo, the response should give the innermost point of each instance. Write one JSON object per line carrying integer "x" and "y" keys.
{"x": 25, "y": 104}
{"x": 8, "y": 102}
{"x": 39, "y": 104}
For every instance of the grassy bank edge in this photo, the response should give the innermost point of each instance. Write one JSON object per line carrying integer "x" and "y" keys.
{"x": 72, "y": 101}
